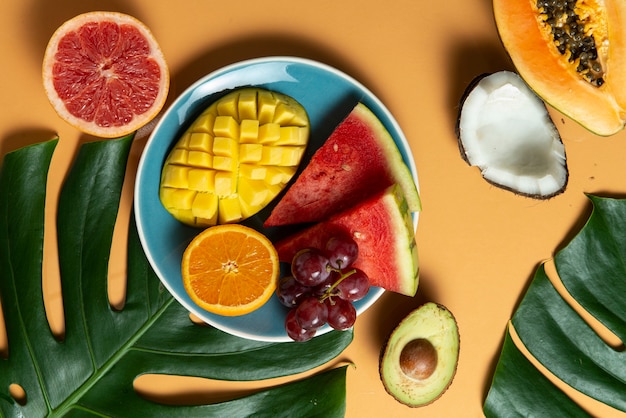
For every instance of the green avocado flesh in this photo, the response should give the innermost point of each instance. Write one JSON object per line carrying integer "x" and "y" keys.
{"x": 419, "y": 361}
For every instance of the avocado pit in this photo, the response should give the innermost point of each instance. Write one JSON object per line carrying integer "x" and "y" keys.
{"x": 418, "y": 359}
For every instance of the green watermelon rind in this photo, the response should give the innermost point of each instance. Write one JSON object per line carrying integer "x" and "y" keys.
{"x": 399, "y": 170}
{"x": 404, "y": 223}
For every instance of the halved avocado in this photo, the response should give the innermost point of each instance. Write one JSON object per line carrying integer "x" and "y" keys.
{"x": 420, "y": 357}
{"x": 505, "y": 129}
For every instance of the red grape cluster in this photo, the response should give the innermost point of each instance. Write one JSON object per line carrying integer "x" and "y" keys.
{"x": 322, "y": 287}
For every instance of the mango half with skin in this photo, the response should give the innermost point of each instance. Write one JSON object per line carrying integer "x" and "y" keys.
{"x": 235, "y": 158}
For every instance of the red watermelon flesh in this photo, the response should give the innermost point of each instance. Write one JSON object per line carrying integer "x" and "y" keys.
{"x": 359, "y": 159}
{"x": 383, "y": 229}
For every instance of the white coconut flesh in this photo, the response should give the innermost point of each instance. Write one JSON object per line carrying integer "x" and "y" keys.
{"x": 506, "y": 131}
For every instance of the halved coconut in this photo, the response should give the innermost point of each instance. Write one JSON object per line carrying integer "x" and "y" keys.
{"x": 505, "y": 130}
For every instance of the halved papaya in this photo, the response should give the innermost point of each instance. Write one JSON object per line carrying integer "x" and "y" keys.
{"x": 572, "y": 53}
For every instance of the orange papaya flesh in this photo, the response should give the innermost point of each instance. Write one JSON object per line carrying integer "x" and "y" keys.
{"x": 592, "y": 91}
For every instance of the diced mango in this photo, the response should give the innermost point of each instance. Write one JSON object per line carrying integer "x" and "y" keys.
{"x": 176, "y": 176}
{"x": 225, "y": 184}
{"x": 225, "y": 147}
{"x": 182, "y": 199}
{"x": 202, "y": 180}
{"x": 252, "y": 196}
{"x": 199, "y": 159}
{"x": 205, "y": 122}
{"x": 226, "y": 126}
{"x": 291, "y": 156}
{"x": 205, "y": 207}
{"x": 271, "y": 155}
{"x": 223, "y": 163}
{"x": 269, "y": 133}
{"x": 284, "y": 114}
{"x": 247, "y": 105}
{"x": 266, "y": 107}
{"x": 228, "y": 105}
{"x": 229, "y": 210}
{"x": 293, "y": 135}
{"x": 278, "y": 175}
{"x": 250, "y": 153}
{"x": 249, "y": 131}
{"x": 178, "y": 156}
{"x": 200, "y": 141}
{"x": 234, "y": 158}
{"x": 253, "y": 171}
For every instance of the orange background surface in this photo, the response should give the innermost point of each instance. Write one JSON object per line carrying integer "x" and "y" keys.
{"x": 479, "y": 245}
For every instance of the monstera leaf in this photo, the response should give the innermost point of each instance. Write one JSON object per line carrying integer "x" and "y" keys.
{"x": 592, "y": 268}
{"x": 90, "y": 371}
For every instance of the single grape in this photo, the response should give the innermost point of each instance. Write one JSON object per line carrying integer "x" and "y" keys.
{"x": 354, "y": 287}
{"x": 341, "y": 313}
{"x": 310, "y": 267}
{"x": 294, "y": 330}
{"x": 341, "y": 251}
{"x": 311, "y": 314}
{"x": 290, "y": 292}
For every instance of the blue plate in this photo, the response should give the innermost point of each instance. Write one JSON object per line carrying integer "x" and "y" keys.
{"x": 327, "y": 94}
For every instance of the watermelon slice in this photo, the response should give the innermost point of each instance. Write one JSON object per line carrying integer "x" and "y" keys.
{"x": 383, "y": 230}
{"x": 359, "y": 159}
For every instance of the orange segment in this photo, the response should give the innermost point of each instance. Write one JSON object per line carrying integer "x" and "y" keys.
{"x": 230, "y": 269}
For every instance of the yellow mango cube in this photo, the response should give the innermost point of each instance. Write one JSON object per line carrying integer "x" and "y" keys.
{"x": 226, "y": 126}
{"x": 252, "y": 196}
{"x": 293, "y": 135}
{"x": 176, "y": 176}
{"x": 225, "y": 147}
{"x": 247, "y": 105}
{"x": 181, "y": 199}
{"x": 205, "y": 207}
{"x": 202, "y": 180}
{"x": 269, "y": 133}
{"x": 279, "y": 175}
{"x": 250, "y": 153}
{"x": 291, "y": 156}
{"x": 178, "y": 156}
{"x": 229, "y": 210}
{"x": 200, "y": 141}
{"x": 271, "y": 155}
{"x": 283, "y": 114}
{"x": 266, "y": 107}
{"x": 200, "y": 159}
{"x": 205, "y": 122}
{"x": 253, "y": 171}
{"x": 222, "y": 163}
{"x": 249, "y": 131}
{"x": 225, "y": 184}
{"x": 228, "y": 105}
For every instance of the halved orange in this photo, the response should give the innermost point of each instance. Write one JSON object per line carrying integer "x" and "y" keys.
{"x": 230, "y": 269}
{"x": 105, "y": 74}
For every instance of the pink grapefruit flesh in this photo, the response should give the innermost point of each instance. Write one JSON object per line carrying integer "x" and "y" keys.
{"x": 105, "y": 74}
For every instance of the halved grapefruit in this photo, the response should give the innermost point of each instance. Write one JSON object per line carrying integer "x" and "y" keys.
{"x": 105, "y": 74}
